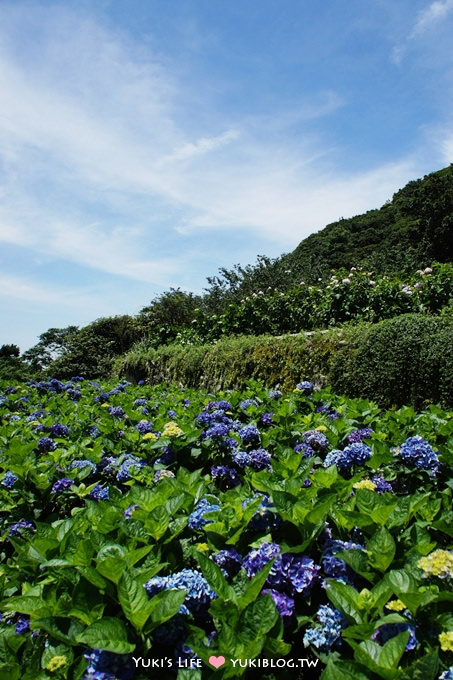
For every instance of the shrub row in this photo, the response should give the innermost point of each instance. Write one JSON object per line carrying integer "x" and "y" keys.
{"x": 405, "y": 360}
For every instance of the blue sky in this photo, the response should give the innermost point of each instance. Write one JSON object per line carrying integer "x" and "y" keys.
{"x": 144, "y": 144}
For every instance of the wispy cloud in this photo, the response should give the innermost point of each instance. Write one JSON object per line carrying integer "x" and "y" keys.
{"x": 431, "y": 15}
{"x": 425, "y": 24}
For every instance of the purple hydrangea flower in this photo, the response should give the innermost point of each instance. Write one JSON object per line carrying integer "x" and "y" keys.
{"x": 305, "y": 449}
{"x": 93, "y": 432}
{"x": 389, "y": 630}
{"x": 116, "y": 411}
{"x": 284, "y": 603}
{"x": 381, "y": 485}
{"x": 58, "y": 430}
{"x": 62, "y": 485}
{"x": 359, "y": 435}
{"x": 22, "y": 626}
{"x": 259, "y": 459}
{"x": 229, "y": 560}
{"x": 46, "y": 444}
{"x": 267, "y": 419}
{"x": 227, "y": 476}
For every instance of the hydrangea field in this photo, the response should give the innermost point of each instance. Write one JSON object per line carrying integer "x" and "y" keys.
{"x": 161, "y": 532}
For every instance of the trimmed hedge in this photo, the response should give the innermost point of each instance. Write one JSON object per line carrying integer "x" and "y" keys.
{"x": 230, "y": 362}
{"x": 404, "y": 360}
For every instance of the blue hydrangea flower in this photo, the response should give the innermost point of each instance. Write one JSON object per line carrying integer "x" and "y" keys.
{"x": 389, "y": 630}
{"x": 9, "y": 479}
{"x": 329, "y": 412}
{"x": 259, "y": 459}
{"x": 128, "y": 467}
{"x": 58, "y": 430}
{"x": 275, "y": 394}
{"x": 417, "y": 452}
{"x": 267, "y": 419}
{"x": 335, "y": 567}
{"x": 46, "y": 444}
{"x": 22, "y": 626}
{"x": 62, "y": 485}
{"x": 306, "y": 387}
{"x": 249, "y": 434}
{"x": 196, "y": 520}
{"x": 244, "y": 405}
{"x": 324, "y": 636}
{"x": 447, "y": 675}
{"x": 381, "y": 485}
{"x": 15, "y": 529}
{"x": 316, "y": 440}
{"x": 305, "y": 449}
{"x": 145, "y": 427}
{"x": 116, "y": 411}
{"x": 93, "y": 432}
{"x": 265, "y": 518}
{"x": 355, "y": 454}
{"x": 82, "y": 464}
{"x": 199, "y": 593}
{"x": 108, "y": 666}
{"x": 140, "y": 402}
{"x": 99, "y": 493}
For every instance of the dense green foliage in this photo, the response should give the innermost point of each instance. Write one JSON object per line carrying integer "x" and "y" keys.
{"x": 101, "y": 496}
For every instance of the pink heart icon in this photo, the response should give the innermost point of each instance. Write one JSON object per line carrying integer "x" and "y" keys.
{"x": 216, "y": 661}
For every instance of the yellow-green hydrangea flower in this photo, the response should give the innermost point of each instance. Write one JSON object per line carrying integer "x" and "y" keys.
{"x": 395, "y": 606}
{"x": 439, "y": 563}
{"x": 171, "y": 429}
{"x": 55, "y": 663}
{"x": 446, "y": 641}
{"x": 365, "y": 484}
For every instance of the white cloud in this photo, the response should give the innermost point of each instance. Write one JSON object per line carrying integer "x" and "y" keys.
{"x": 104, "y": 162}
{"x": 431, "y": 15}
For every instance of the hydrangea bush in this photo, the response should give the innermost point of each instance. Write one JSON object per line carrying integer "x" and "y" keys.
{"x": 251, "y": 525}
